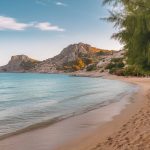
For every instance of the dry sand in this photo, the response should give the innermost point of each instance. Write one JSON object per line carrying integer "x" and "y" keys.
{"x": 134, "y": 134}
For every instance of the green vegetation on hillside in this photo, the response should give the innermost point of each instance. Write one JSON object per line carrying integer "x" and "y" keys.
{"x": 115, "y": 66}
{"x": 132, "y": 17}
{"x": 27, "y": 65}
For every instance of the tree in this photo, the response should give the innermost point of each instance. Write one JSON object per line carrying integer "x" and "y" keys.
{"x": 133, "y": 22}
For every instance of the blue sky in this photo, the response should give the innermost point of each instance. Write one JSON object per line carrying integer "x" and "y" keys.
{"x": 42, "y": 28}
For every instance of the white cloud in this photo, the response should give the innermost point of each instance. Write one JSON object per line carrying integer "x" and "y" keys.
{"x": 8, "y": 23}
{"x": 40, "y": 2}
{"x": 46, "y": 26}
{"x": 48, "y": 2}
{"x": 43, "y": 2}
{"x": 61, "y": 4}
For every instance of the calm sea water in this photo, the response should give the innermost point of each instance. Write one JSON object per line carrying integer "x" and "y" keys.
{"x": 29, "y": 99}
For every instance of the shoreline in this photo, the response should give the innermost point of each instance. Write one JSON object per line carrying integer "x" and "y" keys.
{"x": 104, "y": 130}
{"x": 108, "y": 136}
{"x": 55, "y": 120}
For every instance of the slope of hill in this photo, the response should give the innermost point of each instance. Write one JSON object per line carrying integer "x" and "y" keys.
{"x": 75, "y": 57}
{"x": 19, "y": 63}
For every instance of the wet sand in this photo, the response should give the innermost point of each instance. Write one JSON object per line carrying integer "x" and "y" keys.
{"x": 127, "y": 130}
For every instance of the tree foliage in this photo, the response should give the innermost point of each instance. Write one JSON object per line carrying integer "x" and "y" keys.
{"x": 133, "y": 22}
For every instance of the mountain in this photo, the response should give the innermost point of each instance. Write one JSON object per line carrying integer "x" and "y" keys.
{"x": 72, "y": 58}
{"x": 19, "y": 63}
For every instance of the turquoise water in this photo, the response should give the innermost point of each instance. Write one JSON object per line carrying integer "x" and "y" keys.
{"x": 28, "y": 99}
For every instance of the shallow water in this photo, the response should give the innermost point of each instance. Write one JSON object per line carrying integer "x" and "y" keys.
{"x": 28, "y": 99}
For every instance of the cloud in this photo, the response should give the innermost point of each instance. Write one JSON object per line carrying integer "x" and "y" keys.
{"x": 48, "y": 2}
{"x": 8, "y": 23}
{"x": 60, "y": 4}
{"x": 46, "y": 26}
{"x": 41, "y": 2}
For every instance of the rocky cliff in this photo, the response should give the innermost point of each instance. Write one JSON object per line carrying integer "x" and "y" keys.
{"x": 75, "y": 57}
{"x": 19, "y": 63}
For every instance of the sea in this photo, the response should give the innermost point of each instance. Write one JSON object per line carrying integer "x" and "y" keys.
{"x": 29, "y": 99}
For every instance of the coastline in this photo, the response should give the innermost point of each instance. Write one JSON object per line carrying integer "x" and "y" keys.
{"x": 91, "y": 140}
{"x": 128, "y": 130}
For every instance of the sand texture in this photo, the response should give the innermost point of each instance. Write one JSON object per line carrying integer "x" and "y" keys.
{"x": 128, "y": 131}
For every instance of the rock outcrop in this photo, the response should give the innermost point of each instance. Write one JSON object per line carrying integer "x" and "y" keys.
{"x": 105, "y": 60}
{"x": 19, "y": 63}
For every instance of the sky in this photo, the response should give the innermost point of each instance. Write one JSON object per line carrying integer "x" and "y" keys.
{"x": 42, "y": 28}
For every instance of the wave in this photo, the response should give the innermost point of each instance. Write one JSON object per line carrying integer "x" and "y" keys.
{"x": 63, "y": 117}
{"x": 79, "y": 96}
{"x": 12, "y": 112}
{"x": 8, "y": 87}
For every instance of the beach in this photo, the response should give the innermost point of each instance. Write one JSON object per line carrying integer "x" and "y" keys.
{"x": 65, "y": 84}
{"x": 129, "y": 129}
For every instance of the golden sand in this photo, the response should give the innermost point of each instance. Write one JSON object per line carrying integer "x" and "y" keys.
{"x": 128, "y": 131}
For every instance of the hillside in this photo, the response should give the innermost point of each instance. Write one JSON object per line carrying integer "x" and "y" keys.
{"x": 75, "y": 57}
{"x": 19, "y": 63}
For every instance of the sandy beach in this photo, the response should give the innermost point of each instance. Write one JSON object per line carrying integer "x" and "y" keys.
{"x": 129, "y": 129}
{"x": 75, "y": 75}
{"x": 134, "y": 133}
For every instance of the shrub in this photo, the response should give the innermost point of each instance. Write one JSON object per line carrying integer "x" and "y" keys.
{"x": 80, "y": 63}
{"x": 130, "y": 71}
{"x": 119, "y": 72}
{"x": 133, "y": 71}
{"x": 28, "y": 65}
{"x": 74, "y": 65}
{"x": 116, "y": 60}
{"x": 101, "y": 53}
{"x": 112, "y": 70}
{"x": 120, "y": 65}
{"x": 110, "y": 66}
{"x": 75, "y": 68}
{"x": 88, "y": 61}
{"x": 116, "y": 66}
{"x": 91, "y": 67}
